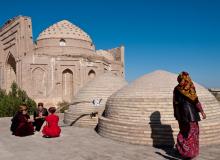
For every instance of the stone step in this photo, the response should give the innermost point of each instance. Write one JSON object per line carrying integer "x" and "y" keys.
{"x": 133, "y": 133}
{"x": 143, "y": 141}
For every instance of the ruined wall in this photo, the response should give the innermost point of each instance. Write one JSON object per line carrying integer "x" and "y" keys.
{"x": 16, "y": 43}
{"x": 118, "y": 53}
{"x": 1, "y": 66}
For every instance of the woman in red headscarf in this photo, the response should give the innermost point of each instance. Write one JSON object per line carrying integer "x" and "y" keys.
{"x": 186, "y": 111}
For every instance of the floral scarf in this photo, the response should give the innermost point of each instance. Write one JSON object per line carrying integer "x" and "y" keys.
{"x": 186, "y": 86}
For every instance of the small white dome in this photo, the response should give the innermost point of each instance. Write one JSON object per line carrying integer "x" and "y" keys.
{"x": 100, "y": 88}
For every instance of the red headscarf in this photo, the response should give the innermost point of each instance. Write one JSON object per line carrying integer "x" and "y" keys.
{"x": 186, "y": 86}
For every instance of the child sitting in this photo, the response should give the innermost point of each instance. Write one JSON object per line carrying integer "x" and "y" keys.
{"x": 51, "y": 129}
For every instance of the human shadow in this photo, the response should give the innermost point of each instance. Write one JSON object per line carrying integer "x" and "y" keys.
{"x": 162, "y": 136}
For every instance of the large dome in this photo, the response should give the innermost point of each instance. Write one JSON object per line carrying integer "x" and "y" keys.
{"x": 142, "y": 112}
{"x": 64, "y": 29}
{"x": 100, "y": 87}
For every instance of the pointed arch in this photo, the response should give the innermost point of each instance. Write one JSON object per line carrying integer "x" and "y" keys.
{"x": 11, "y": 61}
{"x": 67, "y": 85}
{"x": 91, "y": 74}
{"x": 39, "y": 81}
{"x": 10, "y": 71}
{"x": 62, "y": 42}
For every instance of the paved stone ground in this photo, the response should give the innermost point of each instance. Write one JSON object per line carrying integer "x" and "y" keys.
{"x": 82, "y": 144}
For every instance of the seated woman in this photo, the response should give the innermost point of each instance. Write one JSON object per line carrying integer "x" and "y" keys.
{"x": 51, "y": 129}
{"x": 39, "y": 116}
{"x": 21, "y": 124}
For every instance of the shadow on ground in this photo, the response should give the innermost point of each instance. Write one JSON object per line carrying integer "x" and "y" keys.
{"x": 162, "y": 136}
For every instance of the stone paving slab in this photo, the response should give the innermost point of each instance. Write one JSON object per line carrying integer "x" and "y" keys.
{"x": 82, "y": 144}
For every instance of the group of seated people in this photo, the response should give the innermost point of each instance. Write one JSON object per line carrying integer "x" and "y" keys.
{"x": 43, "y": 122}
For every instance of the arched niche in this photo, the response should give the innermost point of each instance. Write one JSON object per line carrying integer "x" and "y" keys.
{"x": 10, "y": 71}
{"x": 39, "y": 82}
{"x": 91, "y": 74}
{"x": 62, "y": 42}
{"x": 67, "y": 85}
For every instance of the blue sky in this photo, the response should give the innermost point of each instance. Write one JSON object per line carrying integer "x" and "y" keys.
{"x": 173, "y": 35}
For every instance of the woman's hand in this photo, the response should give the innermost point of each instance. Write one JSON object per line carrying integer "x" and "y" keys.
{"x": 40, "y": 117}
{"x": 30, "y": 120}
{"x": 203, "y": 115}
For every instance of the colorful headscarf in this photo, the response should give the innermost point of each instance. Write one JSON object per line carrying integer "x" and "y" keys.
{"x": 186, "y": 86}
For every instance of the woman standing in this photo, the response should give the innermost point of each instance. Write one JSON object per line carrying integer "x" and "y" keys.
{"x": 186, "y": 111}
{"x": 51, "y": 129}
{"x": 21, "y": 123}
{"x": 39, "y": 116}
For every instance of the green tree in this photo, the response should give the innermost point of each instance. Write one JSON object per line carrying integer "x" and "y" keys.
{"x": 10, "y": 102}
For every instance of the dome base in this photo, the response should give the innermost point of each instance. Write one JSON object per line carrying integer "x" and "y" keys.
{"x": 153, "y": 134}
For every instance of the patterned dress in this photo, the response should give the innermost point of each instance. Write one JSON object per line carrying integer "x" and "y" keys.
{"x": 186, "y": 111}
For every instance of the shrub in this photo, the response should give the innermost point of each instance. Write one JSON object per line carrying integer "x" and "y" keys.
{"x": 10, "y": 102}
{"x": 62, "y": 106}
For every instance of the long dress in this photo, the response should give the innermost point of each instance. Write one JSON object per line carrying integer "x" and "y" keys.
{"x": 39, "y": 122}
{"x": 52, "y": 129}
{"x": 20, "y": 125}
{"x": 186, "y": 112}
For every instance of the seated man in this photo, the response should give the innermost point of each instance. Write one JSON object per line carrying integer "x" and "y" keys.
{"x": 39, "y": 116}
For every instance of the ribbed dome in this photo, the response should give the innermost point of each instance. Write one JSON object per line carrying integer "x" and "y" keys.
{"x": 64, "y": 29}
{"x": 101, "y": 87}
{"x": 134, "y": 113}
